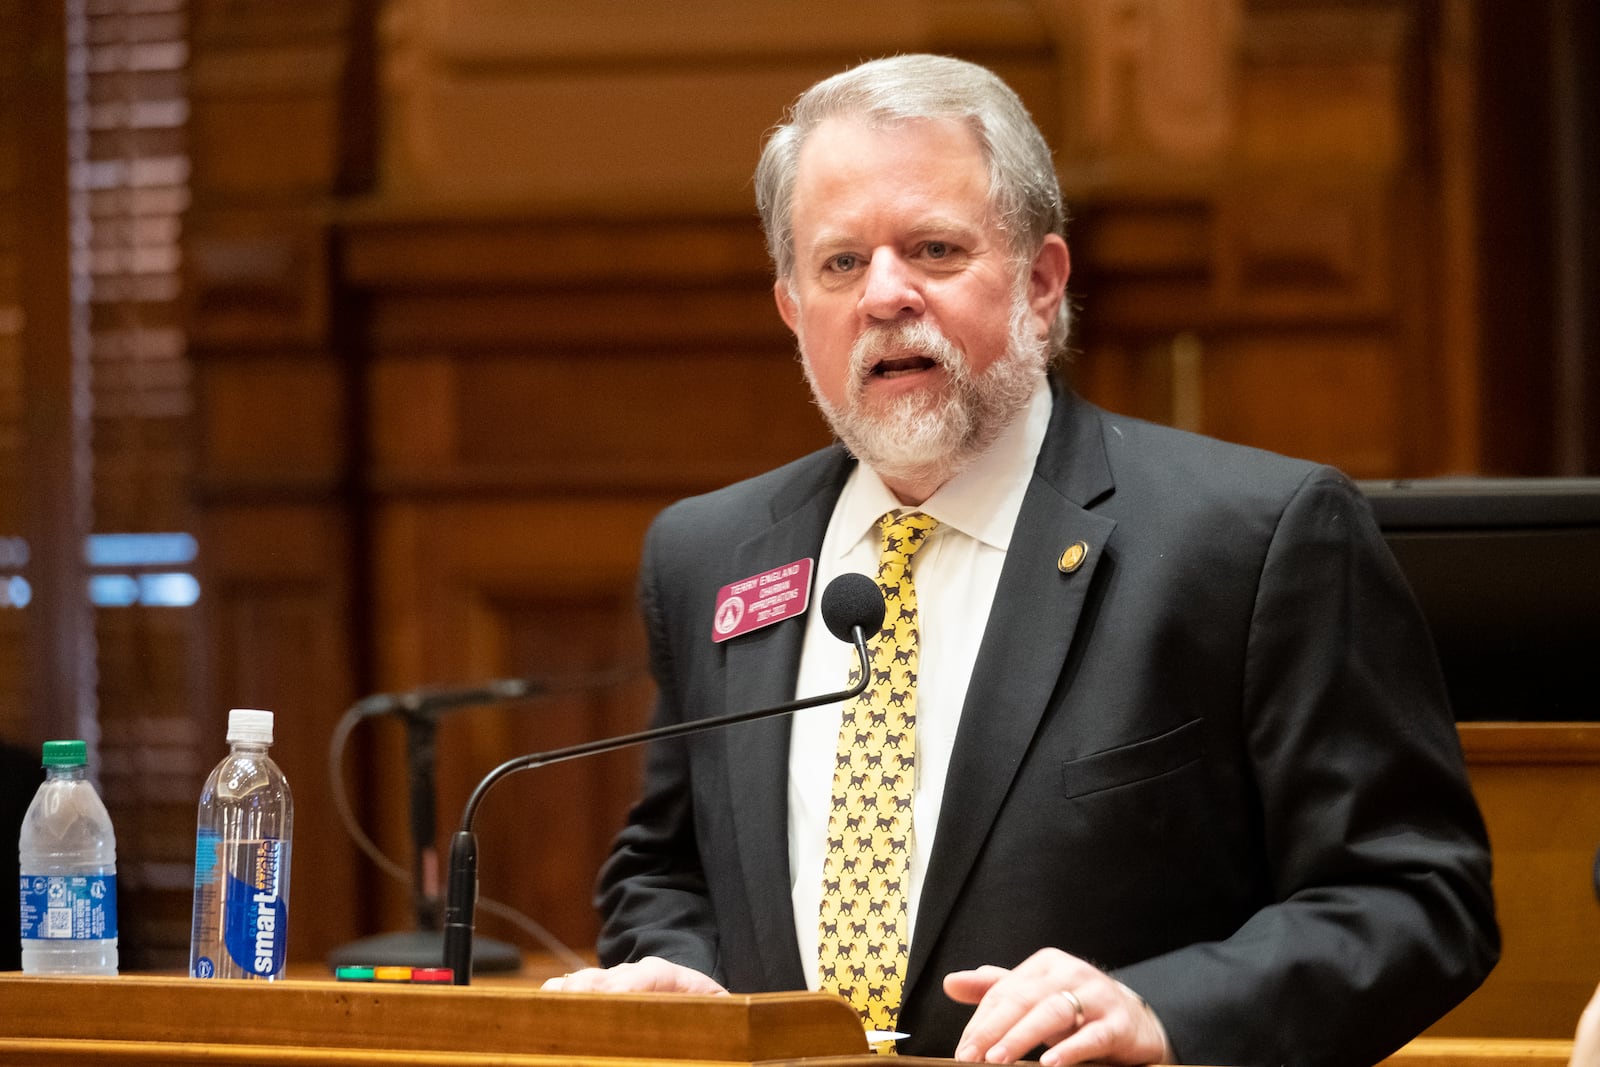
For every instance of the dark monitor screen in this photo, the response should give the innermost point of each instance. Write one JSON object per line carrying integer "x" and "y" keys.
{"x": 1507, "y": 572}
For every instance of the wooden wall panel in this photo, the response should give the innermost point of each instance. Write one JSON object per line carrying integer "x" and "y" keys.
{"x": 573, "y": 318}
{"x": 257, "y": 275}
{"x": 396, "y": 246}
{"x": 282, "y": 555}
{"x": 481, "y": 32}
{"x": 1270, "y": 313}
{"x": 1540, "y": 794}
{"x": 1325, "y": 84}
{"x": 278, "y": 603}
{"x": 619, "y": 102}
{"x": 534, "y": 355}
{"x": 274, "y": 422}
{"x": 1145, "y": 87}
{"x": 1457, "y": 370}
{"x": 577, "y": 422}
{"x": 544, "y": 590}
{"x": 260, "y": 144}
{"x": 598, "y": 138}
{"x": 1276, "y": 391}
{"x": 1306, "y": 248}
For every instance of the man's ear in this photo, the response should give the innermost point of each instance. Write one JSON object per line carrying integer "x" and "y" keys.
{"x": 788, "y": 307}
{"x": 1047, "y": 279}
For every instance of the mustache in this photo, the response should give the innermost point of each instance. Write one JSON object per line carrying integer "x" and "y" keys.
{"x": 899, "y": 340}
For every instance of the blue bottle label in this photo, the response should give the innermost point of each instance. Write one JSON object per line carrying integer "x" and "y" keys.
{"x": 77, "y": 907}
{"x": 255, "y": 914}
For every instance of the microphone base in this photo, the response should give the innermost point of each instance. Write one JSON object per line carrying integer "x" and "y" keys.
{"x": 422, "y": 948}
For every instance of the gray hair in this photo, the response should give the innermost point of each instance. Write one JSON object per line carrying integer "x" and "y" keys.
{"x": 1023, "y": 191}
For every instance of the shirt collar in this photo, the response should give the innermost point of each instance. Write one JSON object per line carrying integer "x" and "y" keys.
{"x": 981, "y": 502}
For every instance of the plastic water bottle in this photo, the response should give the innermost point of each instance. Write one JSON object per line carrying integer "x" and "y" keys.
{"x": 241, "y": 859}
{"x": 68, "y": 860}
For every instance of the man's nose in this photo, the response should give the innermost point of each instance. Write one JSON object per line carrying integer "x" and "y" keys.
{"x": 892, "y": 290}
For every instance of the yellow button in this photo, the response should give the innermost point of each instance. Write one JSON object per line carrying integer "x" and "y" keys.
{"x": 1073, "y": 557}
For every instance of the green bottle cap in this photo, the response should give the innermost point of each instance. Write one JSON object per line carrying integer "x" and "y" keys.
{"x": 66, "y": 753}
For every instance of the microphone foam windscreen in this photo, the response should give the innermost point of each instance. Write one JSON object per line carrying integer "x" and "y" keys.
{"x": 852, "y": 600}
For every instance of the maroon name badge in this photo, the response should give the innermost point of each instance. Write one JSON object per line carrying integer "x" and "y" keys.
{"x": 761, "y": 600}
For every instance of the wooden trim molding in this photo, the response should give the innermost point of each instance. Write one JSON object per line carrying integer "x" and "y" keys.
{"x": 1531, "y": 742}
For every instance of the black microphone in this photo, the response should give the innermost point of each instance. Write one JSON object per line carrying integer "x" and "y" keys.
{"x": 432, "y": 701}
{"x": 421, "y": 710}
{"x": 852, "y": 608}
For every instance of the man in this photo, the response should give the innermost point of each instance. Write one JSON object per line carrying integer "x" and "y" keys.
{"x": 1184, "y": 786}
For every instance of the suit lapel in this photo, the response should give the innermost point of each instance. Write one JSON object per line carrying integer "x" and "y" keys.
{"x": 1025, "y": 644}
{"x": 761, "y": 671}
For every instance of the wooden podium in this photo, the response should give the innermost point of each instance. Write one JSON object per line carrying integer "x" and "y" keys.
{"x": 135, "y": 1021}
{"x": 145, "y": 1022}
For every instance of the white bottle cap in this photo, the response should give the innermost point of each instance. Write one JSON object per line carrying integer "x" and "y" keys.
{"x": 248, "y": 724}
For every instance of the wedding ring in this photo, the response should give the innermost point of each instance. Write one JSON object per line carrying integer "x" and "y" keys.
{"x": 1077, "y": 1008}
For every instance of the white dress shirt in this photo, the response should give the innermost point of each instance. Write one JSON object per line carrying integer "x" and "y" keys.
{"x": 956, "y": 574}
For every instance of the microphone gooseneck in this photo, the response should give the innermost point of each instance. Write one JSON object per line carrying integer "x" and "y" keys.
{"x": 429, "y": 702}
{"x": 852, "y": 609}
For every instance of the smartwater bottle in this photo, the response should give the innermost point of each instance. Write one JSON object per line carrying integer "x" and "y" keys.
{"x": 68, "y": 862}
{"x": 241, "y": 859}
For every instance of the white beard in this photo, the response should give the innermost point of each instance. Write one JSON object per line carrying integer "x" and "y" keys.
{"x": 928, "y": 438}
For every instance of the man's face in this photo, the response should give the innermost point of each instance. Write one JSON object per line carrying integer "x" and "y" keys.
{"x": 921, "y": 334}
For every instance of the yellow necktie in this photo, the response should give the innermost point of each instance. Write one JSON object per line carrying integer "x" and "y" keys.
{"x": 864, "y": 935}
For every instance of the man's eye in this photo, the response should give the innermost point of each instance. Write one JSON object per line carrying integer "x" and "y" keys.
{"x": 844, "y": 262}
{"x": 937, "y": 249}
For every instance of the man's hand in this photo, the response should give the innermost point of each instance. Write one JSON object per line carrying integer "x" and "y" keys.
{"x": 1077, "y": 1011}
{"x": 1586, "y": 1044}
{"x": 650, "y": 975}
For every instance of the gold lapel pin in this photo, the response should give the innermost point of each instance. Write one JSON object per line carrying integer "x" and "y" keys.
{"x": 1073, "y": 557}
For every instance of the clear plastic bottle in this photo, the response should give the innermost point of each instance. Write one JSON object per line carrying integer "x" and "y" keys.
{"x": 68, "y": 860}
{"x": 241, "y": 859}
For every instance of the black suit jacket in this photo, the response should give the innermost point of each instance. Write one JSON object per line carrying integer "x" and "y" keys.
{"x": 1216, "y": 759}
